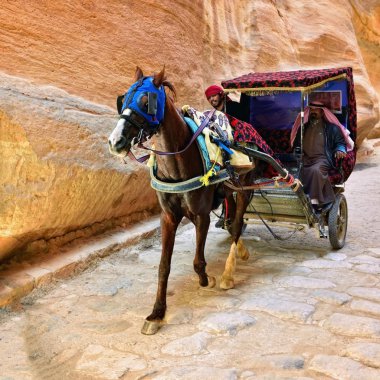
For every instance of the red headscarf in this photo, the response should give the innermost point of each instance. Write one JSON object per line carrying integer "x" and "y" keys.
{"x": 213, "y": 90}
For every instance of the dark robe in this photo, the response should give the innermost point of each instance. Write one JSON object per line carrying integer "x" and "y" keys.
{"x": 316, "y": 165}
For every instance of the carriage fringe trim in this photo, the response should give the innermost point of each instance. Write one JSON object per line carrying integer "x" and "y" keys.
{"x": 257, "y": 91}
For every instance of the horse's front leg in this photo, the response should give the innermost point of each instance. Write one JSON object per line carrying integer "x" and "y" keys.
{"x": 237, "y": 247}
{"x": 202, "y": 224}
{"x": 169, "y": 224}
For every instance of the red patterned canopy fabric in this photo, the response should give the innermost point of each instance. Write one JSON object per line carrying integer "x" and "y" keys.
{"x": 300, "y": 80}
{"x": 305, "y": 81}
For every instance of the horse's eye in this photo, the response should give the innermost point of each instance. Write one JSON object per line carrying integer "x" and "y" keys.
{"x": 143, "y": 103}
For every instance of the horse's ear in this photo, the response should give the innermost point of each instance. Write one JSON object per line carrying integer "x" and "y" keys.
{"x": 138, "y": 74}
{"x": 119, "y": 103}
{"x": 159, "y": 78}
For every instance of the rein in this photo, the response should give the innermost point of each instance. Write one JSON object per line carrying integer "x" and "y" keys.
{"x": 203, "y": 125}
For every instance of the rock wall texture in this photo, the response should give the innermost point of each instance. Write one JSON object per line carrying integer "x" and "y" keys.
{"x": 366, "y": 21}
{"x": 56, "y": 174}
{"x": 63, "y": 63}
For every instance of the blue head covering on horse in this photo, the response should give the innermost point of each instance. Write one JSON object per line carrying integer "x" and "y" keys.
{"x": 147, "y": 100}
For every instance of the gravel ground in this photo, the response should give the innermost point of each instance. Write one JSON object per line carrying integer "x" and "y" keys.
{"x": 299, "y": 310}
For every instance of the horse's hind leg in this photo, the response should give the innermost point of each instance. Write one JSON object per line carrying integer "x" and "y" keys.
{"x": 237, "y": 247}
{"x": 227, "y": 279}
{"x": 242, "y": 250}
{"x": 202, "y": 223}
{"x": 169, "y": 226}
{"x": 242, "y": 201}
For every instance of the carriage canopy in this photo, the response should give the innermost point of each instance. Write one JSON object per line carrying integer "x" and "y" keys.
{"x": 273, "y": 99}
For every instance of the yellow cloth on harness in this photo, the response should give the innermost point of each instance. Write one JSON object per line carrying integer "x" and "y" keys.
{"x": 238, "y": 159}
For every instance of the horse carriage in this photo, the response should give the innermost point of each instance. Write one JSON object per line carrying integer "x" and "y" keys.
{"x": 187, "y": 187}
{"x": 271, "y": 102}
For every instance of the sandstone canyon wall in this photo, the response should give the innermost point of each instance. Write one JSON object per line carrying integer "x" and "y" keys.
{"x": 62, "y": 64}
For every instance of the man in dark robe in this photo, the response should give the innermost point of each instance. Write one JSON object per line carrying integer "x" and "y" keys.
{"x": 324, "y": 144}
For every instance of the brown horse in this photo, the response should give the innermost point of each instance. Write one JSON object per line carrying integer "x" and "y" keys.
{"x": 148, "y": 112}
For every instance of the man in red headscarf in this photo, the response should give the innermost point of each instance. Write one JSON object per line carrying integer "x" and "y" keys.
{"x": 221, "y": 102}
{"x": 215, "y": 97}
{"x": 325, "y": 141}
{"x": 235, "y": 112}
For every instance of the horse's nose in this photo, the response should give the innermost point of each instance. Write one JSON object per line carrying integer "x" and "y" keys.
{"x": 120, "y": 143}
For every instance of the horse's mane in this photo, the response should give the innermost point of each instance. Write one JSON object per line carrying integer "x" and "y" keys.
{"x": 167, "y": 84}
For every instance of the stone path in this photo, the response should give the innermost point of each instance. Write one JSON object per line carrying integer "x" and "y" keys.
{"x": 298, "y": 311}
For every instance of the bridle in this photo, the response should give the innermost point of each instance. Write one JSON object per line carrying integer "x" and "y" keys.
{"x": 130, "y": 105}
{"x": 143, "y": 135}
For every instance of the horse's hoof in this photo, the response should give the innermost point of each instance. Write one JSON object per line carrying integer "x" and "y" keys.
{"x": 244, "y": 255}
{"x": 242, "y": 251}
{"x": 211, "y": 281}
{"x": 150, "y": 327}
{"x": 227, "y": 283}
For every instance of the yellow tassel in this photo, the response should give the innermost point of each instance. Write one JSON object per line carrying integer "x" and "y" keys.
{"x": 205, "y": 179}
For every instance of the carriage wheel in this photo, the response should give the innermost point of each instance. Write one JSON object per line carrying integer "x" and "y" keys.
{"x": 337, "y": 220}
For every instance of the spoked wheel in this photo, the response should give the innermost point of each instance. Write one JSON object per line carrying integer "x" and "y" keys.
{"x": 337, "y": 221}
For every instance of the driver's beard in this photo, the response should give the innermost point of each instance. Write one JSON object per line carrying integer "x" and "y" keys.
{"x": 219, "y": 105}
{"x": 314, "y": 119}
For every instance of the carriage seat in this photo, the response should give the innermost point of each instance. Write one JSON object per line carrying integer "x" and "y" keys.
{"x": 347, "y": 166}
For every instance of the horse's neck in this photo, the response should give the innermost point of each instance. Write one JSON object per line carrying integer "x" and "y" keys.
{"x": 173, "y": 136}
{"x": 173, "y": 133}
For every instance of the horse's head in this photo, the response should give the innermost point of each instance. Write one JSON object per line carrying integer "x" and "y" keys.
{"x": 141, "y": 111}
